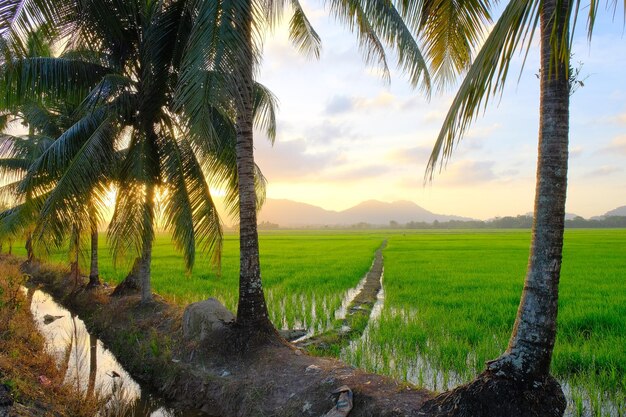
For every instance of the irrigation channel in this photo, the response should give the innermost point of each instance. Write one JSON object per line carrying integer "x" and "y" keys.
{"x": 356, "y": 311}
{"x": 91, "y": 367}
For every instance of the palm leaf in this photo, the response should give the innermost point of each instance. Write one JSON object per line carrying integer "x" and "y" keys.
{"x": 486, "y": 76}
{"x": 301, "y": 32}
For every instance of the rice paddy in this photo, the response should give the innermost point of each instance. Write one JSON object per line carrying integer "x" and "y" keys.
{"x": 450, "y": 299}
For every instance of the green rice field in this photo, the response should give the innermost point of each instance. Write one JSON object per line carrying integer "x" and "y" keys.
{"x": 450, "y": 299}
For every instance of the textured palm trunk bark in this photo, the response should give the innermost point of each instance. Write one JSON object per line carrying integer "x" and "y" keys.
{"x": 146, "y": 254}
{"x": 94, "y": 274}
{"x": 252, "y": 310}
{"x": 530, "y": 348}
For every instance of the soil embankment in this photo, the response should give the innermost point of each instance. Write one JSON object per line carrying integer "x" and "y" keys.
{"x": 276, "y": 380}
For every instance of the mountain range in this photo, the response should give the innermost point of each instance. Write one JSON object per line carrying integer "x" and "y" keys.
{"x": 288, "y": 213}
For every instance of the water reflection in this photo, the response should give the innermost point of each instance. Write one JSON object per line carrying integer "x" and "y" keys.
{"x": 90, "y": 367}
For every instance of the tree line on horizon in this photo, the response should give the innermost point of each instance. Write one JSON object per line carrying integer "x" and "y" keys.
{"x": 506, "y": 222}
{"x": 160, "y": 96}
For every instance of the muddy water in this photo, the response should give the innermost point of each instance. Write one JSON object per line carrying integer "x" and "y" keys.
{"x": 89, "y": 366}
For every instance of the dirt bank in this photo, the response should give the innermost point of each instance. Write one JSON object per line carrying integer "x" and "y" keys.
{"x": 275, "y": 380}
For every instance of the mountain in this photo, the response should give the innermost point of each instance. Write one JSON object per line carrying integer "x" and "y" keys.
{"x": 620, "y": 211}
{"x": 289, "y": 213}
{"x": 377, "y": 212}
{"x": 293, "y": 213}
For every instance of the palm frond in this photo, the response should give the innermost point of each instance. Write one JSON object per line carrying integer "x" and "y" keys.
{"x": 264, "y": 110}
{"x": 189, "y": 209}
{"x": 88, "y": 170}
{"x": 486, "y": 76}
{"x": 393, "y": 30}
{"x": 59, "y": 155}
{"x": 450, "y": 31}
{"x": 30, "y": 79}
{"x": 9, "y": 195}
{"x": 15, "y": 220}
{"x": 127, "y": 230}
{"x": 354, "y": 16}
{"x": 24, "y": 16}
{"x": 301, "y": 32}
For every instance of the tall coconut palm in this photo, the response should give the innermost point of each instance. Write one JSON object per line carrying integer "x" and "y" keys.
{"x": 235, "y": 47}
{"x": 530, "y": 348}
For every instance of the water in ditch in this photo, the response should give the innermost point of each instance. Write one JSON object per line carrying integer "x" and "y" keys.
{"x": 92, "y": 368}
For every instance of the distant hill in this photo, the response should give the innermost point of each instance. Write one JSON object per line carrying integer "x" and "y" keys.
{"x": 287, "y": 213}
{"x": 620, "y": 211}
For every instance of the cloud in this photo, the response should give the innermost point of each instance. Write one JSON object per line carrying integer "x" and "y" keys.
{"x": 619, "y": 119}
{"x": 328, "y": 131}
{"x": 411, "y": 156}
{"x": 383, "y": 101}
{"x": 359, "y": 173}
{"x": 615, "y": 119}
{"x": 617, "y": 145}
{"x": 339, "y": 104}
{"x": 603, "y": 171}
{"x": 291, "y": 160}
{"x": 463, "y": 173}
{"x": 575, "y": 151}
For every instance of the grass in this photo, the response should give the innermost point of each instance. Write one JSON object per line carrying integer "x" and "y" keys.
{"x": 450, "y": 300}
{"x": 290, "y": 263}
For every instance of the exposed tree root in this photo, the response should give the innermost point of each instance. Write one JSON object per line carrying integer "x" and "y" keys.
{"x": 491, "y": 395}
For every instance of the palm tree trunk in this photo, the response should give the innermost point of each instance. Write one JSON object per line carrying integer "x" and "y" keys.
{"x": 146, "y": 255}
{"x": 252, "y": 310}
{"x": 530, "y": 348}
{"x": 131, "y": 283}
{"x": 30, "y": 255}
{"x": 94, "y": 275}
{"x": 74, "y": 253}
{"x": 93, "y": 365}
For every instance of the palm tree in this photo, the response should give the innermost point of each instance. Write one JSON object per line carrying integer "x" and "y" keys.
{"x": 126, "y": 57}
{"x": 235, "y": 48}
{"x": 18, "y": 152}
{"x": 529, "y": 353}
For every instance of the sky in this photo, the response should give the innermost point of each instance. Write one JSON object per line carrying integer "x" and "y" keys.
{"x": 346, "y": 136}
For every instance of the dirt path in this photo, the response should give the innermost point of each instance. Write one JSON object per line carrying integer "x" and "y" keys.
{"x": 276, "y": 380}
{"x": 357, "y": 313}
